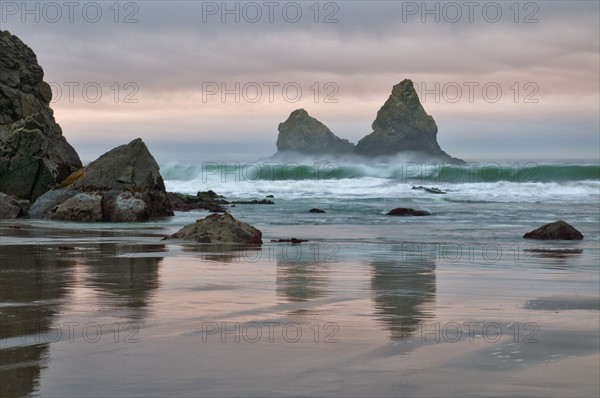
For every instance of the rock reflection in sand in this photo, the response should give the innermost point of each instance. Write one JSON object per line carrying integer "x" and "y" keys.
{"x": 38, "y": 282}
{"x": 403, "y": 293}
{"x": 300, "y": 276}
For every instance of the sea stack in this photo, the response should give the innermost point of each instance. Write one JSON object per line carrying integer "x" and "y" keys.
{"x": 34, "y": 155}
{"x": 402, "y": 125}
{"x": 305, "y": 134}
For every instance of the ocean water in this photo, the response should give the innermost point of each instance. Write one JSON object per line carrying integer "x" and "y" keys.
{"x": 485, "y": 210}
{"x": 453, "y": 304}
{"x": 506, "y": 198}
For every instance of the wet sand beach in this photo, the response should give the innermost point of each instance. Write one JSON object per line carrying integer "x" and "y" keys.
{"x": 127, "y": 314}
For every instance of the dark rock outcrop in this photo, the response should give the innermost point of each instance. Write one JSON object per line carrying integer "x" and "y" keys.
{"x": 404, "y": 211}
{"x": 219, "y": 228}
{"x": 558, "y": 230}
{"x": 293, "y": 241}
{"x": 315, "y": 210}
{"x": 305, "y": 134}
{"x": 253, "y": 202}
{"x": 430, "y": 190}
{"x": 403, "y": 125}
{"x": 124, "y": 184}
{"x": 34, "y": 155}
{"x": 12, "y": 207}
{"x": 208, "y": 195}
{"x": 202, "y": 201}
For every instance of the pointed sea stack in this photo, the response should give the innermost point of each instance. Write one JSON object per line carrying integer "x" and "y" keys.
{"x": 34, "y": 155}
{"x": 403, "y": 125}
{"x": 305, "y": 134}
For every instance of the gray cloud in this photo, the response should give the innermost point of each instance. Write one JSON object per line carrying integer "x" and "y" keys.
{"x": 171, "y": 52}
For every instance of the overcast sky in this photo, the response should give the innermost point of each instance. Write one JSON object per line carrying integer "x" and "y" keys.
{"x": 502, "y": 80}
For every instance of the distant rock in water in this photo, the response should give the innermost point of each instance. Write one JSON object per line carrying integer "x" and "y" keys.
{"x": 293, "y": 241}
{"x": 124, "y": 184}
{"x": 305, "y": 134}
{"x": 430, "y": 190}
{"x": 404, "y": 211}
{"x": 253, "y": 202}
{"x": 203, "y": 200}
{"x": 219, "y": 228}
{"x": 34, "y": 155}
{"x": 558, "y": 230}
{"x": 403, "y": 125}
{"x": 315, "y": 210}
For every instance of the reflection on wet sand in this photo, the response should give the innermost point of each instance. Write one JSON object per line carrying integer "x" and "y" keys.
{"x": 404, "y": 293}
{"x": 299, "y": 276}
{"x": 122, "y": 281}
{"x": 552, "y": 258}
{"x": 32, "y": 286}
{"x": 35, "y": 284}
{"x": 226, "y": 252}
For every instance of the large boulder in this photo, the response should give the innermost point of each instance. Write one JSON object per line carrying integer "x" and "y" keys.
{"x": 403, "y": 125}
{"x": 558, "y": 230}
{"x": 34, "y": 155}
{"x": 219, "y": 228}
{"x": 305, "y": 134}
{"x": 124, "y": 184}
